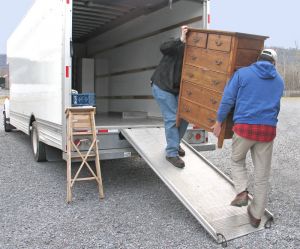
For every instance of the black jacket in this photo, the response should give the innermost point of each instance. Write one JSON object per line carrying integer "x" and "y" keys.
{"x": 168, "y": 73}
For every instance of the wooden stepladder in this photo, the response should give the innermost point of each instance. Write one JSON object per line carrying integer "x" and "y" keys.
{"x": 81, "y": 123}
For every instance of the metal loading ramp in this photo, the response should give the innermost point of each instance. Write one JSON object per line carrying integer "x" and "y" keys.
{"x": 200, "y": 186}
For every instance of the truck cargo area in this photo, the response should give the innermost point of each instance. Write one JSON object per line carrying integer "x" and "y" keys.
{"x": 115, "y": 51}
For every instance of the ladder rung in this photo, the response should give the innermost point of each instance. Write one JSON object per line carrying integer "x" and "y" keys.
{"x": 81, "y": 125}
{"x": 82, "y": 133}
{"x": 84, "y": 179}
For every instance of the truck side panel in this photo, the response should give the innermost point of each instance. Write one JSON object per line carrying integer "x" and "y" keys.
{"x": 34, "y": 56}
{"x": 35, "y": 53}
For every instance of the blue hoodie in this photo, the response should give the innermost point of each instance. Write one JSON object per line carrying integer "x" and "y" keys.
{"x": 254, "y": 92}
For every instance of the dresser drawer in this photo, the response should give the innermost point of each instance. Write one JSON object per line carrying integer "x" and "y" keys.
{"x": 196, "y": 115}
{"x": 202, "y": 76}
{"x": 219, "y": 42}
{"x": 201, "y": 95}
{"x": 196, "y": 39}
{"x": 207, "y": 118}
{"x": 189, "y": 111}
{"x": 210, "y": 59}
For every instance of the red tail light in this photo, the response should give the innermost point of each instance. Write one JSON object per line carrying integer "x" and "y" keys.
{"x": 198, "y": 136}
{"x": 103, "y": 131}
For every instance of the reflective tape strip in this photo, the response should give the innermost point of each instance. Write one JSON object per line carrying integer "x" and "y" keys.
{"x": 102, "y": 131}
{"x": 108, "y": 130}
{"x": 67, "y": 71}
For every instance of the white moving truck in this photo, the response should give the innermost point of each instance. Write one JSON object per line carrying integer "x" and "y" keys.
{"x": 109, "y": 48}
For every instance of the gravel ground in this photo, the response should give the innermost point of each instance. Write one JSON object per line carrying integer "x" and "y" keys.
{"x": 138, "y": 211}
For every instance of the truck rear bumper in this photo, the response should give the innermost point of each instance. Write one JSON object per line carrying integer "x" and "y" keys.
{"x": 111, "y": 154}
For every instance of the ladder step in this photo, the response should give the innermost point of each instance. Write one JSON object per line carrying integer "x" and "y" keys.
{"x": 85, "y": 179}
{"x": 82, "y": 133}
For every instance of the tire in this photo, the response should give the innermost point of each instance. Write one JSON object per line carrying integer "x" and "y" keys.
{"x": 6, "y": 126}
{"x": 38, "y": 148}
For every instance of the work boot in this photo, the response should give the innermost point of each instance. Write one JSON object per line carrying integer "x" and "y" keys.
{"x": 181, "y": 152}
{"x": 241, "y": 199}
{"x": 253, "y": 221}
{"x": 176, "y": 161}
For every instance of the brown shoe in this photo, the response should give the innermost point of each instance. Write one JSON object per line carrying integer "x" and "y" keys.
{"x": 253, "y": 221}
{"x": 181, "y": 152}
{"x": 240, "y": 200}
{"x": 176, "y": 161}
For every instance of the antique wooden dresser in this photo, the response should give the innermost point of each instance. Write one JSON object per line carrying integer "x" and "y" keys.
{"x": 210, "y": 59}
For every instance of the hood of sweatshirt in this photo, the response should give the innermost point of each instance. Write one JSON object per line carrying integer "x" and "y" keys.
{"x": 264, "y": 69}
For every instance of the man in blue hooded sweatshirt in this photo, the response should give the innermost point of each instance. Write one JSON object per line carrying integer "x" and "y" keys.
{"x": 254, "y": 93}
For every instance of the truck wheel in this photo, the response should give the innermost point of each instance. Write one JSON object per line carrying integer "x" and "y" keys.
{"x": 38, "y": 148}
{"x": 6, "y": 126}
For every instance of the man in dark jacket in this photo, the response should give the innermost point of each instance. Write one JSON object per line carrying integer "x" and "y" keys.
{"x": 165, "y": 89}
{"x": 254, "y": 92}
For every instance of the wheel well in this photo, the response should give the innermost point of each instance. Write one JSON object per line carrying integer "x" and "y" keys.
{"x": 6, "y": 106}
{"x": 32, "y": 119}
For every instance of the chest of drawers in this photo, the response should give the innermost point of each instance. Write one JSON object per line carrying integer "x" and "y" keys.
{"x": 210, "y": 59}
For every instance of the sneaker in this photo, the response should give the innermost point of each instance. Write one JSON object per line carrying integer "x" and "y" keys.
{"x": 253, "y": 221}
{"x": 176, "y": 161}
{"x": 240, "y": 200}
{"x": 181, "y": 152}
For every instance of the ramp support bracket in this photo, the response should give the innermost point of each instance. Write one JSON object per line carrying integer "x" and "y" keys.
{"x": 269, "y": 222}
{"x": 222, "y": 240}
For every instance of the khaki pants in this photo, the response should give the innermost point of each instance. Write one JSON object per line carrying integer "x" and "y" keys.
{"x": 261, "y": 154}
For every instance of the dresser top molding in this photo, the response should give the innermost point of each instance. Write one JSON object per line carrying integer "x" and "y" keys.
{"x": 222, "y": 32}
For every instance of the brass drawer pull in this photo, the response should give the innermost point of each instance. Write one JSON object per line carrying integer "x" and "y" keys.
{"x": 186, "y": 109}
{"x": 213, "y": 101}
{"x": 219, "y": 43}
{"x": 189, "y": 92}
{"x": 190, "y": 75}
{"x": 219, "y": 62}
{"x": 211, "y": 120}
{"x": 196, "y": 39}
{"x": 216, "y": 82}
